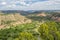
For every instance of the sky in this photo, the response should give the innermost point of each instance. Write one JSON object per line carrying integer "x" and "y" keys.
{"x": 29, "y": 4}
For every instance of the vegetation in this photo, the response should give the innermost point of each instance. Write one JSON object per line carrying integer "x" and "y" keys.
{"x": 50, "y": 31}
{"x": 20, "y": 32}
{"x": 40, "y": 27}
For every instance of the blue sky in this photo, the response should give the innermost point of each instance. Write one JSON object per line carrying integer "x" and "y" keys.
{"x": 29, "y": 4}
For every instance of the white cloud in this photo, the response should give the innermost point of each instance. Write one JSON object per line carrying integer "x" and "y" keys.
{"x": 44, "y": 5}
{"x": 23, "y": 3}
{"x": 3, "y": 3}
{"x": 11, "y": 6}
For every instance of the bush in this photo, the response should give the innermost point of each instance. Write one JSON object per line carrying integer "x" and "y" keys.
{"x": 25, "y": 36}
{"x": 20, "y": 32}
{"x": 49, "y": 31}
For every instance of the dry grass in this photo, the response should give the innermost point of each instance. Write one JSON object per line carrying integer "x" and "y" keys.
{"x": 12, "y": 19}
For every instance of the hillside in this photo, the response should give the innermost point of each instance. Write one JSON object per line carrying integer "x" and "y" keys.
{"x": 13, "y": 19}
{"x": 32, "y": 25}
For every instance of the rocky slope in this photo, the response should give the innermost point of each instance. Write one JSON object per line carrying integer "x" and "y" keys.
{"x": 12, "y": 19}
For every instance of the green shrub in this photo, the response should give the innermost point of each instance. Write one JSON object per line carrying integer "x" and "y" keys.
{"x": 49, "y": 31}
{"x": 20, "y": 32}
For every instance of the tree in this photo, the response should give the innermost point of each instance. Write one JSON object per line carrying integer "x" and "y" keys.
{"x": 25, "y": 36}
{"x": 49, "y": 31}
